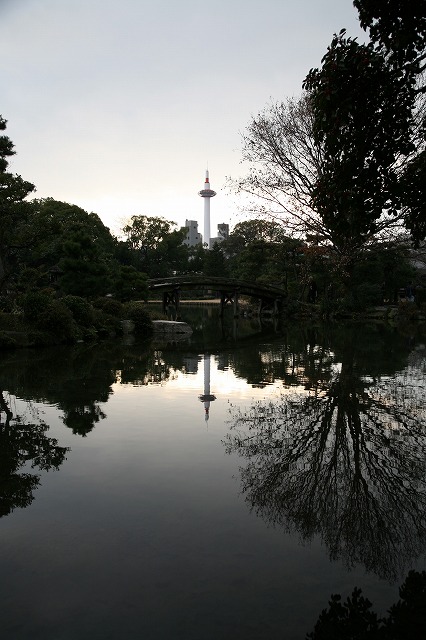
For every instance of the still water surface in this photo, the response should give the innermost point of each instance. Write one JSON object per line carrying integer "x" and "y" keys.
{"x": 131, "y": 508}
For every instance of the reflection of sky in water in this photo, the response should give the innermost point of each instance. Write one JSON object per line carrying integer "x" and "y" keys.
{"x": 144, "y": 532}
{"x": 177, "y": 401}
{"x": 224, "y": 384}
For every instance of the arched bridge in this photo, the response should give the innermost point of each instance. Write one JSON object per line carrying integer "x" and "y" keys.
{"x": 270, "y": 296}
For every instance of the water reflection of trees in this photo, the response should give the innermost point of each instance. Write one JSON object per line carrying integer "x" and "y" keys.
{"x": 80, "y": 379}
{"x": 24, "y": 445}
{"x": 354, "y": 618}
{"x": 344, "y": 455}
{"x": 76, "y": 379}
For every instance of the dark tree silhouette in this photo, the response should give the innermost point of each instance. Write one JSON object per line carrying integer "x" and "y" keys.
{"x": 353, "y": 619}
{"x": 23, "y": 444}
{"x": 343, "y": 458}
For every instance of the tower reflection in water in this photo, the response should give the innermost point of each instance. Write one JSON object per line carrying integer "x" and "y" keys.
{"x": 206, "y": 397}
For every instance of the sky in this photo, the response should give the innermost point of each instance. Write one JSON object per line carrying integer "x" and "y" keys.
{"x": 120, "y": 106}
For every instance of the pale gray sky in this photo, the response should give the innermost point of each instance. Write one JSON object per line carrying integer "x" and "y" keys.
{"x": 118, "y": 106}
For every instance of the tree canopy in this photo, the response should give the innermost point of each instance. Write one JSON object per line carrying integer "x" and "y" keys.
{"x": 343, "y": 165}
{"x": 157, "y": 247}
{"x": 15, "y": 212}
{"x": 362, "y": 112}
{"x": 397, "y": 26}
{"x": 283, "y": 161}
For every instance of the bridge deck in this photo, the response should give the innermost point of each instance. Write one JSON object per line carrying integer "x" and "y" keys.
{"x": 254, "y": 289}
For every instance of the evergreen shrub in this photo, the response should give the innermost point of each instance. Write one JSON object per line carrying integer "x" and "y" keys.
{"x": 137, "y": 312}
{"x": 11, "y": 322}
{"x": 34, "y": 304}
{"x": 82, "y": 311}
{"x": 39, "y": 338}
{"x": 110, "y": 306}
{"x": 106, "y": 325}
{"x": 154, "y": 314}
{"x": 408, "y": 312}
{"x": 57, "y": 320}
{"x": 361, "y": 297}
{"x": 6, "y": 304}
{"x": 6, "y": 341}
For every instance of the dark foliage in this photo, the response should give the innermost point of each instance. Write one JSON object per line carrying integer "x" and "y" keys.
{"x": 139, "y": 315}
{"x": 362, "y": 109}
{"x": 354, "y": 620}
{"x": 398, "y": 26}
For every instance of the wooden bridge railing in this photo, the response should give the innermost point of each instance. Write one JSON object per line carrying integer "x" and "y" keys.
{"x": 229, "y": 289}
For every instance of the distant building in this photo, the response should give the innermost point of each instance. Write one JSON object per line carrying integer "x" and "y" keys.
{"x": 193, "y": 237}
{"x": 222, "y": 234}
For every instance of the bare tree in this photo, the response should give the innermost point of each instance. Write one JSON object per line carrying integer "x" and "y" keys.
{"x": 283, "y": 164}
{"x": 289, "y": 163}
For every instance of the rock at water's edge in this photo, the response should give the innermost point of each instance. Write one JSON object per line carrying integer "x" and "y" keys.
{"x": 171, "y": 326}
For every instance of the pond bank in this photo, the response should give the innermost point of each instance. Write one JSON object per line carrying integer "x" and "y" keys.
{"x": 14, "y": 335}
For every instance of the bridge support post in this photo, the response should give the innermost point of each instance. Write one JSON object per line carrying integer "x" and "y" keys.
{"x": 230, "y": 297}
{"x": 222, "y": 303}
{"x": 269, "y": 306}
{"x": 171, "y": 299}
{"x": 270, "y": 296}
{"x": 276, "y": 310}
{"x": 236, "y": 308}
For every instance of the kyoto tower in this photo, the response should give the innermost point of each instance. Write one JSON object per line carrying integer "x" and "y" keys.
{"x": 207, "y": 193}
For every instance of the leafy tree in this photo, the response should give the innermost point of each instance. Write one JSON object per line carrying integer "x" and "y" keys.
{"x": 255, "y": 229}
{"x": 251, "y": 263}
{"x": 407, "y": 617}
{"x": 362, "y": 113}
{"x": 343, "y": 165}
{"x": 157, "y": 248}
{"x": 130, "y": 284}
{"x": 61, "y": 221}
{"x": 215, "y": 263}
{"x": 259, "y": 250}
{"x": 74, "y": 243}
{"x": 124, "y": 254}
{"x": 172, "y": 255}
{"x": 196, "y": 257}
{"x": 260, "y": 261}
{"x": 146, "y": 233}
{"x": 379, "y": 275}
{"x": 82, "y": 311}
{"x": 84, "y": 272}
{"x": 397, "y": 27}
{"x": 15, "y": 213}
{"x": 397, "y": 33}
{"x": 414, "y": 197}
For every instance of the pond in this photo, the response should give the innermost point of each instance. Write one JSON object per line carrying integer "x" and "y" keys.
{"x": 222, "y": 486}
